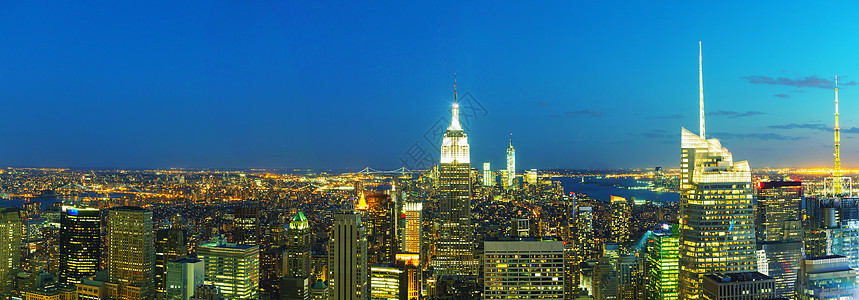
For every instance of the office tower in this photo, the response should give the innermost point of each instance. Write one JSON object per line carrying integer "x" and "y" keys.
{"x": 511, "y": 165}
{"x": 410, "y": 264}
{"x": 520, "y": 227}
{"x": 531, "y": 177}
{"x": 319, "y": 291}
{"x": 131, "y": 252}
{"x": 455, "y": 247}
{"x": 10, "y": 249}
{"x": 585, "y": 244}
{"x": 523, "y": 268}
{"x": 629, "y": 278}
{"x": 605, "y": 279}
{"x": 780, "y": 260}
{"x": 294, "y": 288}
{"x": 413, "y": 227}
{"x": 662, "y": 263}
{"x": 388, "y": 282}
{"x": 233, "y": 268}
{"x": 169, "y": 245}
{"x": 744, "y": 285}
{"x": 779, "y": 212}
{"x": 488, "y": 179}
{"x": 184, "y": 275}
{"x": 620, "y": 215}
{"x": 80, "y": 241}
{"x": 380, "y": 232}
{"x": 246, "y": 224}
{"x": 717, "y": 233}
{"x": 298, "y": 250}
{"x": 826, "y": 277}
{"x": 347, "y": 258}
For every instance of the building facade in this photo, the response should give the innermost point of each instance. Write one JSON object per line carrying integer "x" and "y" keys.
{"x": 523, "y": 268}
{"x": 347, "y": 259}
{"x": 131, "y": 253}
{"x": 233, "y": 268}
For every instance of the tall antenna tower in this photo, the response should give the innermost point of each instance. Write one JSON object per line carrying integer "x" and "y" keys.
{"x": 701, "y": 90}
{"x": 837, "y": 172}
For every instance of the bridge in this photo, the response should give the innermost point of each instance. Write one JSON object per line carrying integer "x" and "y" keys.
{"x": 400, "y": 171}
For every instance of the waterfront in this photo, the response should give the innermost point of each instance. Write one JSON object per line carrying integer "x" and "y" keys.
{"x": 603, "y": 188}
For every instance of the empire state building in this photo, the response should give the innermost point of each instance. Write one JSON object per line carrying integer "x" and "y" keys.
{"x": 455, "y": 248}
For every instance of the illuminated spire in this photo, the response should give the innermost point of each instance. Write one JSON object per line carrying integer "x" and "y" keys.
{"x": 511, "y": 140}
{"x": 701, "y": 89}
{"x": 837, "y": 135}
{"x": 454, "y": 122}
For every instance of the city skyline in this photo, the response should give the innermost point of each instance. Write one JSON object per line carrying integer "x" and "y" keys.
{"x": 138, "y": 86}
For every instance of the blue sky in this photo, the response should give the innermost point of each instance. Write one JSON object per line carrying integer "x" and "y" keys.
{"x": 347, "y": 85}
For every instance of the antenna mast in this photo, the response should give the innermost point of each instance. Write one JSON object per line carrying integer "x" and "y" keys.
{"x": 701, "y": 89}
{"x": 837, "y": 153}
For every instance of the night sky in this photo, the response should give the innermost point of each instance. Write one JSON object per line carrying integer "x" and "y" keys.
{"x": 301, "y": 84}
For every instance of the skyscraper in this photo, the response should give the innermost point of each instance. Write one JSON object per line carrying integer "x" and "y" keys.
{"x": 298, "y": 250}
{"x": 523, "y": 268}
{"x": 412, "y": 232}
{"x": 169, "y": 245}
{"x": 131, "y": 252}
{"x": 80, "y": 242}
{"x": 620, "y": 214}
{"x": 781, "y": 261}
{"x": 184, "y": 275}
{"x": 826, "y": 277}
{"x": 511, "y": 164}
{"x": 717, "y": 232}
{"x": 455, "y": 247}
{"x": 10, "y": 249}
{"x": 744, "y": 285}
{"x": 380, "y": 234}
{"x": 347, "y": 259}
{"x": 246, "y": 225}
{"x": 233, "y": 268}
{"x": 662, "y": 263}
{"x": 779, "y": 212}
{"x": 488, "y": 179}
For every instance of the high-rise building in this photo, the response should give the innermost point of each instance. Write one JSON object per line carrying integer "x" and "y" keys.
{"x": 488, "y": 179}
{"x": 662, "y": 263}
{"x": 233, "y": 268}
{"x": 744, "y": 285}
{"x": 169, "y": 245}
{"x": 620, "y": 215}
{"x": 717, "y": 233}
{"x": 380, "y": 230}
{"x": 131, "y": 252}
{"x": 454, "y": 253}
{"x": 826, "y": 277}
{"x": 10, "y": 249}
{"x": 184, "y": 275}
{"x": 410, "y": 264}
{"x": 246, "y": 225}
{"x": 520, "y": 227}
{"x": 585, "y": 244}
{"x": 779, "y": 212}
{"x": 294, "y": 288}
{"x": 388, "y": 282}
{"x": 298, "y": 250}
{"x": 511, "y": 165}
{"x": 523, "y": 268}
{"x": 531, "y": 177}
{"x": 347, "y": 258}
{"x": 319, "y": 291}
{"x": 781, "y": 261}
{"x": 414, "y": 223}
{"x": 80, "y": 242}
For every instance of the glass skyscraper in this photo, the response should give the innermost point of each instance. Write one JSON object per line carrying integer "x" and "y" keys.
{"x": 717, "y": 233}
{"x": 80, "y": 242}
{"x": 662, "y": 262}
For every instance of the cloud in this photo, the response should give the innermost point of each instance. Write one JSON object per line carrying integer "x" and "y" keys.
{"x": 759, "y": 136}
{"x": 783, "y": 96}
{"x": 733, "y": 114}
{"x": 542, "y": 103}
{"x": 674, "y": 116}
{"x": 659, "y": 134}
{"x": 808, "y": 81}
{"x": 801, "y": 126}
{"x": 586, "y": 113}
